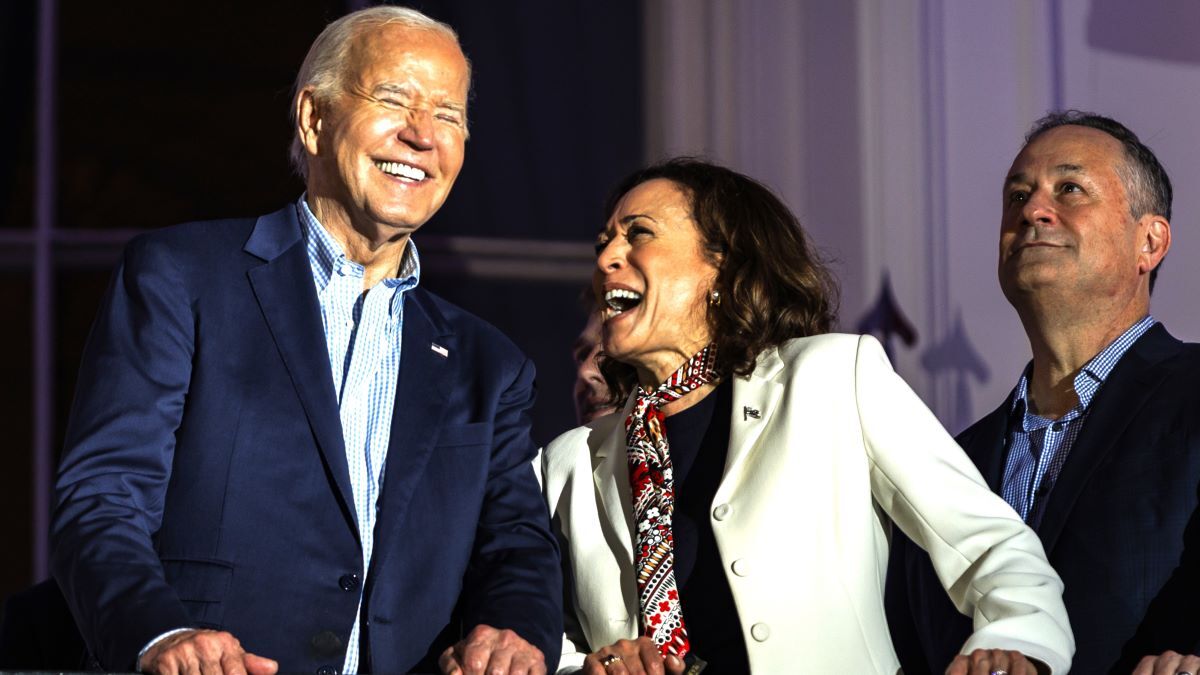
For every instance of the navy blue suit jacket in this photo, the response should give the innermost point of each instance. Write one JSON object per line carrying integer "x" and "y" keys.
{"x": 1121, "y": 526}
{"x": 205, "y": 483}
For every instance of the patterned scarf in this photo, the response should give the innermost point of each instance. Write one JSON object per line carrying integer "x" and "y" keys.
{"x": 653, "y": 485}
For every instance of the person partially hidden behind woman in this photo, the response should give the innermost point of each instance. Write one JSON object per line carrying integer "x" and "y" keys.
{"x": 736, "y": 512}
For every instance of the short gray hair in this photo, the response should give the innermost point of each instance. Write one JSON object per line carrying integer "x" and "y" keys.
{"x": 324, "y": 66}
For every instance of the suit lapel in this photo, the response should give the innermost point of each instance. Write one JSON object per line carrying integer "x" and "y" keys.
{"x": 985, "y": 444}
{"x": 422, "y": 395}
{"x": 1118, "y": 402}
{"x": 610, "y": 474}
{"x": 288, "y": 300}
{"x": 755, "y": 401}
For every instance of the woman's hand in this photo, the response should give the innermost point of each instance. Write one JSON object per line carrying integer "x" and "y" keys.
{"x": 991, "y": 662}
{"x": 631, "y": 657}
{"x": 1169, "y": 662}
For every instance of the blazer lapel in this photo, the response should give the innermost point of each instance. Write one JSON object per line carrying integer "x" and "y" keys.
{"x": 610, "y": 473}
{"x": 422, "y": 395}
{"x": 985, "y": 444}
{"x": 1117, "y": 403}
{"x": 288, "y": 299}
{"x": 755, "y": 401}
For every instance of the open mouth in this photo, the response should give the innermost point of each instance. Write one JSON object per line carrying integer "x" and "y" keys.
{"x": 619, "y": 300}
{"x": 405, "y": 172}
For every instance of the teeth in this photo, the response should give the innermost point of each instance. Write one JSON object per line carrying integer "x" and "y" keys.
{"x": 619, "y": 300}
{"x": 402, "y": 170}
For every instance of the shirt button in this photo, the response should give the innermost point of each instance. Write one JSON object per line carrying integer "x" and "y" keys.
{"x": 327, "y": 670}
{"x": 1057, "y": 426}
{"x": 760, "y": 632}
{"x": 740, "y": 567}
{"x": 722, "y": 512}
{"x": 348, "y": 582}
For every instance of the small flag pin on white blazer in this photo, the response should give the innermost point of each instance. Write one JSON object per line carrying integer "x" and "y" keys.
{"x": 439, "y": 350}
{"x": 748, "y": 412}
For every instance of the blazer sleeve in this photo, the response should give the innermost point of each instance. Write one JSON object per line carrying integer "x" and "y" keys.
{"x": 574, "y": 644}
{"x": 119, "y": 447}
{"x": 991, "y": 564}
{"x": 514, "y": 580}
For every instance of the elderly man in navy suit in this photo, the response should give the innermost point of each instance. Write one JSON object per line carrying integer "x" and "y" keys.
{"x": 1098, "y": 446}
{"x": 281, "y": 445}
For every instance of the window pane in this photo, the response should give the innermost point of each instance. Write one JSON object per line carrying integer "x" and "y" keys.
{"x": 180, "y": 114}
{"x": 17, "y": 33}
{"x": 16, "y": 402}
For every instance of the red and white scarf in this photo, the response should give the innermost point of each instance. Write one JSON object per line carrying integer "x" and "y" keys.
{"x": 650, "y": 476}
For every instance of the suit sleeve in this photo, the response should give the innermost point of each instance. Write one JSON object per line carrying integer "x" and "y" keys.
{"x": 514, "y": 580}
{"x": 1169, "y": 622}
{"x": 574, "y": 645}
{"x": 119, "y": 448}
{"x": 991, "y": 565}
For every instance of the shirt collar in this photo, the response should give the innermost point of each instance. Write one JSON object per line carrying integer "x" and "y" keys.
{"x": 326, "y": 255}
{"x": 1087, "y": 381}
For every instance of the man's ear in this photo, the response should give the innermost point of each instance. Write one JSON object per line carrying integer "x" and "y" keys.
{"x": 308, "y": 120}
{"x": 1155, "y": 240}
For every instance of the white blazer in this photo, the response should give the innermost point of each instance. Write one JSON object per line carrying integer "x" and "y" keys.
{"x": 827, "y": 448}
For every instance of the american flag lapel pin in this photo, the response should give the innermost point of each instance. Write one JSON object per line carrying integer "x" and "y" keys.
{"x": 439, "y": 350}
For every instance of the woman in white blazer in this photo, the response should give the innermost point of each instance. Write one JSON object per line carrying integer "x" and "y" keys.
{"x": 737, "y": 512}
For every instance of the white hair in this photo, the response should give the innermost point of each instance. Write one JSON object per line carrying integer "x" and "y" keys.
{"x": 324, "y": 66}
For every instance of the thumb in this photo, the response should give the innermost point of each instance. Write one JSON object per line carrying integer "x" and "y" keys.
{"x": 258, "y": 665}
{"x": 674, "y": 664}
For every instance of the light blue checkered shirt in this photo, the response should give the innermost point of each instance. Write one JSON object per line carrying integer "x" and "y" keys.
{"x": 362, "y": 334}
{"x": 1038, "y": 447}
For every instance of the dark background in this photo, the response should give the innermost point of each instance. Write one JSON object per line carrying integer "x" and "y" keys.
{"x": 171, "y": 111}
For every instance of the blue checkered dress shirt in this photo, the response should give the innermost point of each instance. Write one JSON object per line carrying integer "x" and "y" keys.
{"x": 1038, "y": 447}
{"x": 362, "y": 334}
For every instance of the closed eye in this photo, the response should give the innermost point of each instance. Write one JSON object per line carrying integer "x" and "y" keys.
{"x": 635, "y": 231}
{"x": 580, "y": 354}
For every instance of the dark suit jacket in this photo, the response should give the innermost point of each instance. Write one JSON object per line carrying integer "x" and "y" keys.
{"x": 205, "y": 482}
{"x": 1120, "y": 527}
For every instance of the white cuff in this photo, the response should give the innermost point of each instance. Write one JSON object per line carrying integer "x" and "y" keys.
{"x": 138, "y": 666}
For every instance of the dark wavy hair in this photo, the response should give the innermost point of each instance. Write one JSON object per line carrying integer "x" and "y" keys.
{"x": 1147, "y": 186}
{"x": 773, "y": 283}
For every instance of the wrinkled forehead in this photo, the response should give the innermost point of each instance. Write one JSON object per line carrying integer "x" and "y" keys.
{"x": 417, "y": 57}
{"x": 1071, "y": 145}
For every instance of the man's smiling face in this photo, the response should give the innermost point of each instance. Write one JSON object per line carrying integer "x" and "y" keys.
{"x": 1067, "y": 227}
{"x": 390, "y": 145}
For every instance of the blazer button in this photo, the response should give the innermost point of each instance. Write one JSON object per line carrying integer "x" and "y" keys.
{"x": 348, "y": 582}
{"x": 760, "y": 632}
{"x": 722, "y": 512}
{"x": 327, "y": 670}
{"x": 740, "y": 567}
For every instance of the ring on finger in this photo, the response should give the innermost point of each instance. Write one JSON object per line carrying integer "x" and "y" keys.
{"x": 999, "y": 672}
{"x": 607, "y": 661}
{"x": 1182, "y": 672}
